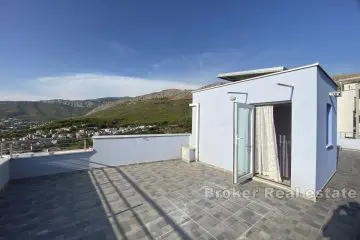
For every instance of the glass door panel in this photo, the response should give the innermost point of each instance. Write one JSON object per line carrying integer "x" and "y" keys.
{"x": 243, "y": 141}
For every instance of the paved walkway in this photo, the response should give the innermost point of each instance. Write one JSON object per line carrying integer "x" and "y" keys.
{"x": 166, "y": 200}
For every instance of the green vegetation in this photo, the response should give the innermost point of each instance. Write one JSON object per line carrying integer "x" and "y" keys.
{"x": 16, "y": 133}
{"x": 147, "y": 112}
{"x": 168, "y": 116}
{"x": 167, "y": 111}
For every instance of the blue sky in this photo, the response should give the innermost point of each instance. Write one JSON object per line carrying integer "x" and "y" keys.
{"x": 79, "y": 49}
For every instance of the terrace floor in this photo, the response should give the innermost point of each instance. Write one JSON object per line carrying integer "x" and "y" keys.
{"x": 166, "y": 200}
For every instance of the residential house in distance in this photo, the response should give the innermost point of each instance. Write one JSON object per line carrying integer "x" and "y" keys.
{"x": 275, "y": 125}
{"x": 348, "y": 107}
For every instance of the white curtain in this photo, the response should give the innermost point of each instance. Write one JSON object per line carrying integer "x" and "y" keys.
{"x": 266, "y": 157}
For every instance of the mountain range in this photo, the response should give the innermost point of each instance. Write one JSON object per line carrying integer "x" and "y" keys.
{"x": 158, "y": 106}
{"x": 51, "y": 109}
{"x": 39, "y": 111}
{"x": 89, "y": 103}
{"x": 57, "y": 109}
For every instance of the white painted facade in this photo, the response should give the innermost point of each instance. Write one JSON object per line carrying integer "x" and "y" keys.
{"x": 312, "y": 161}
{"x": 326, "y": 159}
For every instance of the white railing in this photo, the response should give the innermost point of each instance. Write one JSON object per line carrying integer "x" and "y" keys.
{"x": 105, "y": 151}
{"x": 10, "y": 148}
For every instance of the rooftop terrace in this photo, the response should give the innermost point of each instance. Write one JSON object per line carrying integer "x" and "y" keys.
{"x": 167, "y": 200}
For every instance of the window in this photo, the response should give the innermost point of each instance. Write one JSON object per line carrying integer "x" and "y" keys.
{"x": 329, "y": 125}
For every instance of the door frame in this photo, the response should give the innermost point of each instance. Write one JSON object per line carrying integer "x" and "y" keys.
{"x": 291, "y": 135}
{"x": 237, "y": 179}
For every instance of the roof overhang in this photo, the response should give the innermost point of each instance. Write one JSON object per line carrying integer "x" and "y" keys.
{"x": 238, "y": 76}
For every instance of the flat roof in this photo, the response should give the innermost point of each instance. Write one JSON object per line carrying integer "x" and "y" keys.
{"x": 270, "y": 74}
{"x": 238, "y": 76}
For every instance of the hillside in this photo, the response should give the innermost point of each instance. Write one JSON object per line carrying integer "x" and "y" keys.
{"x": 161, "y": 108}
{"x": 150, "y": 111}
{"x": 54, "y": 109}
{"x": 166, "y": 112}
{"x": 171, "y": 94}
{"x": 39, "y": 110}
{"x": 88, "y": 103}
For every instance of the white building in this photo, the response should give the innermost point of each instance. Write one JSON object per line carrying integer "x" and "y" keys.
{"x": 275, "y": 125}
{"x": 348, "y": 108}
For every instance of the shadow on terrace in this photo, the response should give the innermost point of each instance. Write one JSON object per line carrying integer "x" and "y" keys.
{"x": 166, "y": 200}
{"x": 344, "y": 220}
{"x": 344, "y": 223}
{"x": 102, "y": 203}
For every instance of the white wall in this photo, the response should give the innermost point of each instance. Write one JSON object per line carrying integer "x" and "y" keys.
{"x": 40, "y": 164}
{"x": 107, "y": 151}
{"x": 120, "y": 150}
{"x": 216, "y": 114}
{"x": 192, "y": 141}
{"x": 4, "y": 172}
{"x": 326, "y": 157}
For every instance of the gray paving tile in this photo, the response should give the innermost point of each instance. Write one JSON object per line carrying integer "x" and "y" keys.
{"x": 205, "y": 203}
{"x": 207, "y": 221}
{"x": 248, "y": 215}
{"x": 259, "y": 209}
{"x": 220, "y": 213}
{"x": 223, "y": 232}
{"x": 179, "y": 217}
{"x": 190, "y": 230}
{"x": 257, "y": 234}
{"x": 167, "y": 200}
{"x": 231, "y": 206}
{"x": 159, "y": 227}
{"x": 237, "y": 224}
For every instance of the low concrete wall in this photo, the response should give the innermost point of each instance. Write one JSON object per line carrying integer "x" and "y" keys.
{"x": 39, "y": 164}
{"x": 107, "y": 151}
{"x": 121, "y": 150}
{"x": 348, "y": 143}
{"x": 4, "y": 172}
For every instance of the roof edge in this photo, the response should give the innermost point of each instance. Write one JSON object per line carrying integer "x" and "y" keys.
{"x": 332, "y": 80}
{"x": 267, "y": 75}
{"x": 253, "y": 71}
